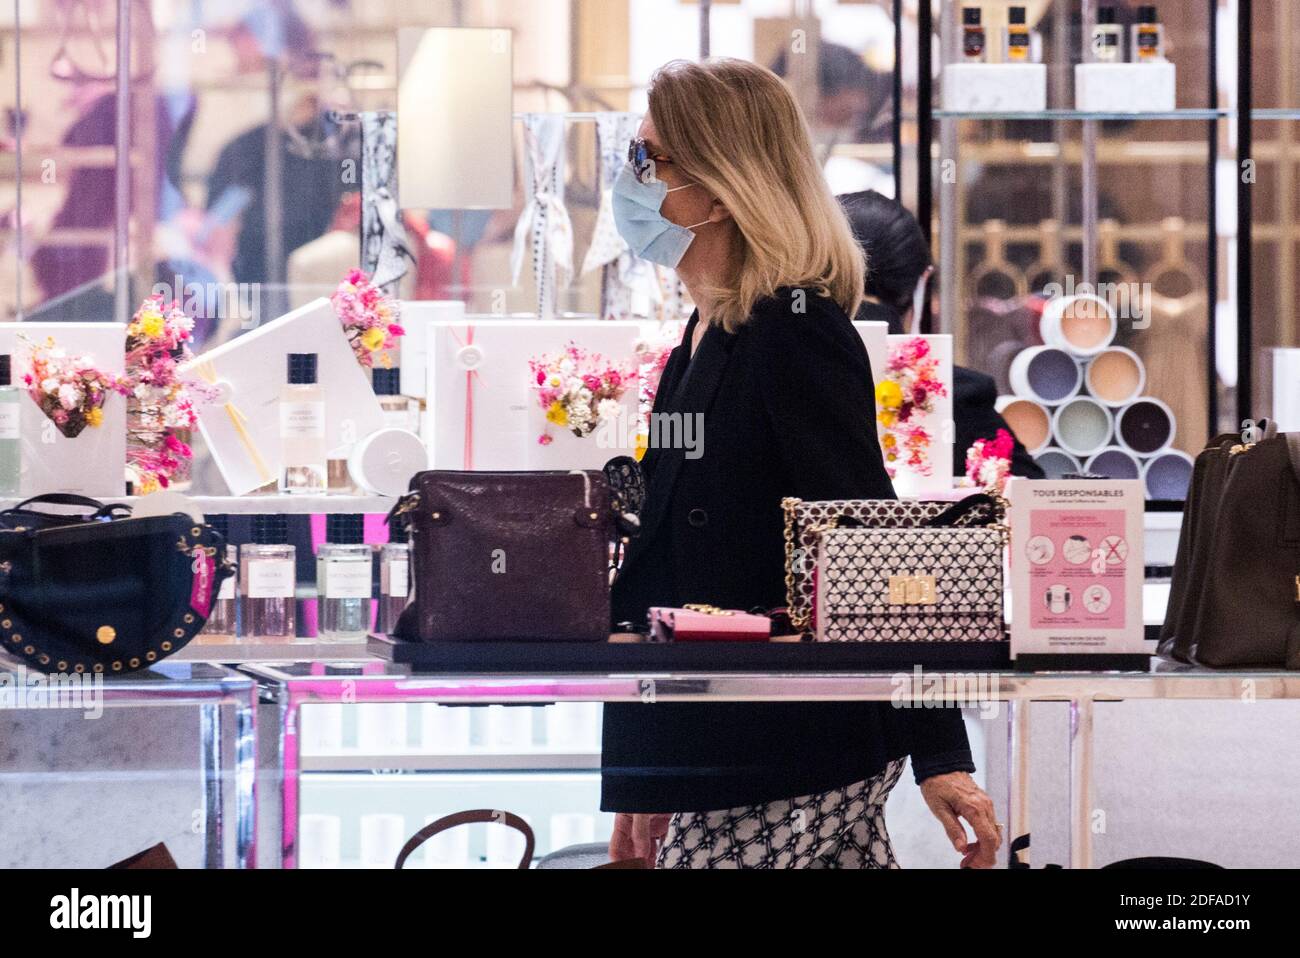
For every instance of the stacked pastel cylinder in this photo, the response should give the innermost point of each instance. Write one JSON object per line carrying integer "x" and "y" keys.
{"x": 1078, "y": 407}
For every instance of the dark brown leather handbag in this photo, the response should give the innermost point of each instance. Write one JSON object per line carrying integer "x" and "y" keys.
{"x": 1236, "y": 594}
{"x": 508, "y": 556}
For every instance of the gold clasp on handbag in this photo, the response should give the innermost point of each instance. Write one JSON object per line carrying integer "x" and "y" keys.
{"x": 911, "y": 590}
{"x": 706, "y": 609}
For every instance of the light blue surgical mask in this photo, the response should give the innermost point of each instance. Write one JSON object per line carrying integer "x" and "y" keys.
{"x": 649, "y": 234}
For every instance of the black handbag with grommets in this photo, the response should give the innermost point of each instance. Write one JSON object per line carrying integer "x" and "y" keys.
{"x": 98, "y": 592}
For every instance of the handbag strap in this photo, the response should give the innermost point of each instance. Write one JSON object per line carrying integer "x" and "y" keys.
{"x": 963, "y": 508}
{"x": 472, "y": 817}
{"x": 98, "y": 510}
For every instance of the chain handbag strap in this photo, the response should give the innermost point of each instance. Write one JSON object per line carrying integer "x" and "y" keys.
{"x": 789, "y": 505}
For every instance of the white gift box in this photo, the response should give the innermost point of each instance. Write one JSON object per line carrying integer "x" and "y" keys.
{"x": 243, "y": 429}
{"x": 939, "y": 424}
{"x": 483, "y": 407}
{"x": 1125, "y": 87}
{"x": 94, "y": 463}
{"x": 995, "y": 87}
{"x": 416, "y": 315}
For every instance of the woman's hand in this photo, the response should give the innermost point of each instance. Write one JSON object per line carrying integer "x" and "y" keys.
{"x": 637, "y": 836}
{"x": 955, "y": 796}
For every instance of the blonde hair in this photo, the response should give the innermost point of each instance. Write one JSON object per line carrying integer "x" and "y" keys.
{"x": 733, "y": 127}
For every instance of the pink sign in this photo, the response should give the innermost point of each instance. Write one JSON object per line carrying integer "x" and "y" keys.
{"x": 1077, "y": 562}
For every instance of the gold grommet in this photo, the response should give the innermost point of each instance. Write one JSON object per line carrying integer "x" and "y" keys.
{"x": 179, "y": 633}
{"x": 16, "y": 637}
{"x": 188, "y": 618}
{"x": 106, "y": 634}
{"x": 62, "y": 667}
{"x": 7, "y": 624}
{"x": 80, "y": 668}
{"x": 166, "y": 646}
{"x": 30, "y": 649}
{"x": 196, "y": 531}
{"x": 43, "y": 659}
{"x": 2, "y": 608}
{"x": 99, "y": 667}
{"x": 151, "y": 656}
{"x": 135, "y": 663}
{"x": 117, "y": 666}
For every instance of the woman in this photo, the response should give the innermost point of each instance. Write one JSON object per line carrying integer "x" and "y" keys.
{"x": 900, "y": 269}
{"x": 722, "y": 185}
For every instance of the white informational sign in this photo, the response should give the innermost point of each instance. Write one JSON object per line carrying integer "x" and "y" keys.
{"x": 92, "y": 463}
{"x": 484, "y": 406}
{"x": 1076, "y": 567}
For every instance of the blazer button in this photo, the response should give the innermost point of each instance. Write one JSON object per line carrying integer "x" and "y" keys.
{"x": 698, "y": 518}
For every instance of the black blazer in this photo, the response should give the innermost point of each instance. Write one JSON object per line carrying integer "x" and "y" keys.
{"x": 788, "y": 409}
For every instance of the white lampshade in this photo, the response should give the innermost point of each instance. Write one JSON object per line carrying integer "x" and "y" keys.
{"x": 455, "y": 118}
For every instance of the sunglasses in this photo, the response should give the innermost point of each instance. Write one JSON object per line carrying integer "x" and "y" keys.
{"x": 643, "y": 161}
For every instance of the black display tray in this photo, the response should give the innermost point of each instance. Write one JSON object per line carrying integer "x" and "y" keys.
{"x": 606, "y": 657}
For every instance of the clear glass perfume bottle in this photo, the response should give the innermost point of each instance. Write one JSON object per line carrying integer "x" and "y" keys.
{"x": 973, "y": 38}
{"x": 1148, "y": 36}
{"x": 394, "y": 577}
{"x": 1107, "y": 37}
{"x": 267, "y": 579}
{"x": 10, "y": 430}
{"x": 344, "y": 566}
{"x": 400, "y": 412}
{"x": 1019, "y": 44}
{"x": 302, "y": 428}
{"x": 222, "y": 624}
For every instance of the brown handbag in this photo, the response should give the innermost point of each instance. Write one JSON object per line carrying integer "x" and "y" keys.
{"x": 1244, "y": 607}
{"x": 1200, "y": 510}
{"x": 508, "y": 556}
{"x": 493, "y": 817}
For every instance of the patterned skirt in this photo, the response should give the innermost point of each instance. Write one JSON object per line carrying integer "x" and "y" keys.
{"x": 841, "y": 828}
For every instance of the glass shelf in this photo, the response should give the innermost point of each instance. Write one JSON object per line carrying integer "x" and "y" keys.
{"x": 1284, "y": 114}
{"x": 1081, "y": 115}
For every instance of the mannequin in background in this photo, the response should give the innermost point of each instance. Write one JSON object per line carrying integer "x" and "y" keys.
{"x": 898, "y": 263}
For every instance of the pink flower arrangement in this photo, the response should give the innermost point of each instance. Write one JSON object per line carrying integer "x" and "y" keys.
{"x": 69, "y": 389}
{"x": 988, "y": 461}
{"x": 369, "y": 318}
{"x": 160, "y": 403}
{"x": 905, "y": 396}
{"x": 652, "y": 359}
{"x": 578, "y": 390}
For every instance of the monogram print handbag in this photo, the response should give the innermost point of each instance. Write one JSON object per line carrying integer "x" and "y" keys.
{"x": 807, "y": 523}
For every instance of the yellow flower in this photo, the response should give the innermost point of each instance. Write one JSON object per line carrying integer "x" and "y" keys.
{"x": 889, "y": 395}
{"x": 373, "y": 339}
{"x": 890, "y": 440}
{"x": 95, "y": 417}
{"x": 642, "y": 444}
{"x": 557, "y": 414}
{"x": 887, "y": 417}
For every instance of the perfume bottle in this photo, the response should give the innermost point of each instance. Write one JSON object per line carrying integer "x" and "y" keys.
{"x": 302, "y": 428}
{"x": 400, "y": 412}
{"x": 344, "y": 566}
{"x": 1107, "y": 37}
{"x": 221, "y": 627}
{"x": 972, "y": 35}
{"x": 1148, "y": 36}
{"x": 394, "y": 576}
{"x": 267, "y": 579}
{"x": 1018, "y": 46}
{"x": 10, "y": 430}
